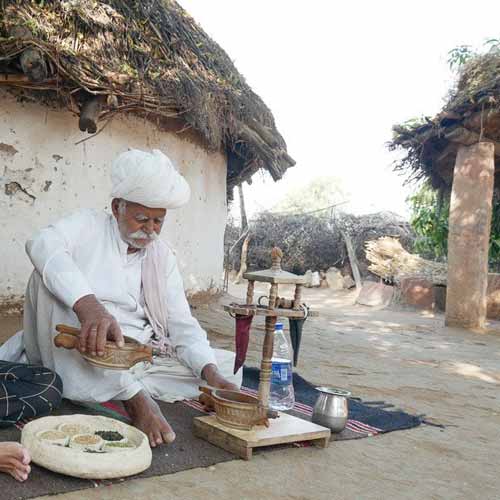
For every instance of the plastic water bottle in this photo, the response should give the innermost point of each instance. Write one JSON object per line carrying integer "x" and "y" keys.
{"x": 282, "y": 396}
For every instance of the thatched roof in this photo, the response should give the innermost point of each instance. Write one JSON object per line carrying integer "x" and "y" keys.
{"x": 147, "y": 57}
{"x": 472, "y": 113}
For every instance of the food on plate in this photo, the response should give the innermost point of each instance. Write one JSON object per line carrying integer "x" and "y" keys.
{"x": 74, "y": 429}
{"x": 112, "y": 436}
{"x": 86, "y": 442}
{"x": 53, "y": 436}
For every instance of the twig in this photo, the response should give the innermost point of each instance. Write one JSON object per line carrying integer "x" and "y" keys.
{"x": 238, "y": 240}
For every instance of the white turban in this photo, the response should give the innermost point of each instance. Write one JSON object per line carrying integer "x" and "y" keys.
{"x": 149, "y": 179}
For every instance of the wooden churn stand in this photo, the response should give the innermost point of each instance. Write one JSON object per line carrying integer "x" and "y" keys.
{"x": 286, "y": 428}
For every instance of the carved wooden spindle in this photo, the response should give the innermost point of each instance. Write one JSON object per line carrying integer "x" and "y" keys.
{"x": 266, "y": 363}
{"x": 276, "y": 256}
{"x": 298, "y": 297}
{"x": 250, "y": 289}
{"x": 273, "y": 296}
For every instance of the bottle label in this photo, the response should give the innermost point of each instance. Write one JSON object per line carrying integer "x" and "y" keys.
{"x": 281, "y": 372}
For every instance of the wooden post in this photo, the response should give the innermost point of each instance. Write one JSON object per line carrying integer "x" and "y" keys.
{"x": 243, "y": 259}
{"x": 298, "y": 297}
{"x": 468, "y": 237}
{"x": 266, "y": 363}
{"x": 267, "y": 351}
{"x": 352, "y": 259}
{"x": 31, "y": 59}
{"x": 89, "y": 115}
{"x": 250, "y": 290}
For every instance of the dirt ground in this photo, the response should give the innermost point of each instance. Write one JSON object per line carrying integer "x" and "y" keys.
{"x": 407, "y": 358}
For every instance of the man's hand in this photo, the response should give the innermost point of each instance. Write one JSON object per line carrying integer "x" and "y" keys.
{"x": 212, "y": 376}
{"x": 97, "y": 326}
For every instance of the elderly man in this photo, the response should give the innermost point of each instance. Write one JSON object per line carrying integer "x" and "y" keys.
{"x": 113, "y": 276}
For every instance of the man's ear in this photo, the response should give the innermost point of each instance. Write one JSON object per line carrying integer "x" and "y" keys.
{"x": 115, "y": 203}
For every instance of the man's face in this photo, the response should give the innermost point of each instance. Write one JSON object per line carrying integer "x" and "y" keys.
{"x": 139, "y": 225}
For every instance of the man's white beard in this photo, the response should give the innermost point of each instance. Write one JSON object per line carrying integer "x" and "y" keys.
{"x": 132, "y": 238}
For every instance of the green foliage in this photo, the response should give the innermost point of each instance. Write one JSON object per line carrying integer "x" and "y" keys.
{"x": 458, "y": 56}
{"x": 494, "y": 256}
{"x": 493, "y": 45}
{"x": 321, "y": 192}
{"x": 461, "y": 54}
{"x": 429, "y": 219}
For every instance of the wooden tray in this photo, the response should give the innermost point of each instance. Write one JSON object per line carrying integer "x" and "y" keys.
{"x": 285, "y": 429}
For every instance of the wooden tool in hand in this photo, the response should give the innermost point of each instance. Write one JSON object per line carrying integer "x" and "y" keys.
{"x": 114, "y": 358}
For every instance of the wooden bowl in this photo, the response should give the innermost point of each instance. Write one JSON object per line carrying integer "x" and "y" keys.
{"x": 114, "y": 358}
{"x": 237, "y": 410}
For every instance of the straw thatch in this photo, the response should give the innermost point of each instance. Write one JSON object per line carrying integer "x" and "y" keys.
{"x": 471, "y": 114}
{"x": 147, "y": 57}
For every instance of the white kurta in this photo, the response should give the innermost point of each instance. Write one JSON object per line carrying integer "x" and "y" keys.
{"x": 84, "y": 254}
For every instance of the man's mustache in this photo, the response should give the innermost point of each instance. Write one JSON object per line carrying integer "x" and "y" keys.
{"x": 141, "y": 235}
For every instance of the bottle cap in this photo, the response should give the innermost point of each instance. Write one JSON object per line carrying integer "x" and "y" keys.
{"x": 278, "y": 326}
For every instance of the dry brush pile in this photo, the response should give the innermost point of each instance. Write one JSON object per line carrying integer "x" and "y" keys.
{"x": 315, "y": 242}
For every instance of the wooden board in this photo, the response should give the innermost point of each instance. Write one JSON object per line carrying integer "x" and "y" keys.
{"x": 263, "y": 311}
{"x": 285, "y": 429}
{"x": 276, "y": 277}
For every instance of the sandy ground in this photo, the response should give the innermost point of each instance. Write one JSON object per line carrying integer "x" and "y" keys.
{"x": 404, "y": 357}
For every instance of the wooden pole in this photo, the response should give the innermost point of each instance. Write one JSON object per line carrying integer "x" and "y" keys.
{"x": 297, "y": 299}
{"x": 243, "y": 259}
{"x": 243, "y": 212}
{"x": 31, "y": 59}
{"x": 250, "y": 290}
{"x": 267, "y": 352}
{"x": 469, "y": 234}
{"x": 89, "y": 115}
{"x": 352, "y": 259}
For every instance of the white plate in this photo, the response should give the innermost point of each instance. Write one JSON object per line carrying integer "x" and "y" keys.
{"x": 77, "y": 463}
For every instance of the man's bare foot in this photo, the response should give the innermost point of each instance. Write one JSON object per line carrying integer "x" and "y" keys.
{"x": 147, "y": 417}
{"x": 14, "y": 460}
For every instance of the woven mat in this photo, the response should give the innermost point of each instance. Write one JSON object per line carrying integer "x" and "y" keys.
{"x": 187, "y": 451}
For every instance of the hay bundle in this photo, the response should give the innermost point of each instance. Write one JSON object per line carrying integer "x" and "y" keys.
{"x": 389, "y": 260}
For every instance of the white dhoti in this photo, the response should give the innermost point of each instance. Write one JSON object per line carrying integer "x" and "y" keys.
{"x": 166, "y": 378}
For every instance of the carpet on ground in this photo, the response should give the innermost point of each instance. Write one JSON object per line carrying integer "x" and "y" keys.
{"x": 187, "y": 451}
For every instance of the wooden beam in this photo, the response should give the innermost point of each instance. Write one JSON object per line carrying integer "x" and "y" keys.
{"x": 489, "y": 119}
{"x": 89, "y": 115}
{"x": 31, "y": 59}
{"x": 352, "y": 259}
{"x": 448, "y": 150}
{"x": 466, "y": 137}
{"x": 33, "y": 64}
{"x": 13, "y": 78}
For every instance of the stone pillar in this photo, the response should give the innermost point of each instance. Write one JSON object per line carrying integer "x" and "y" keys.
{"x": 468, "y": 237}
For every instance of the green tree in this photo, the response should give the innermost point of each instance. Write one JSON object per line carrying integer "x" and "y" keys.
{"x": 429, "y": 219}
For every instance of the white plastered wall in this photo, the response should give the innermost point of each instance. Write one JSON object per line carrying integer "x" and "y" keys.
{"x": 45, "y": 176}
